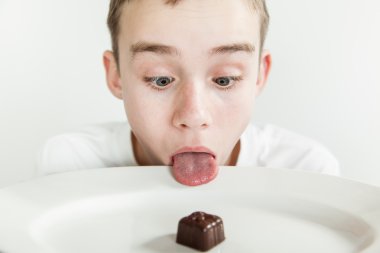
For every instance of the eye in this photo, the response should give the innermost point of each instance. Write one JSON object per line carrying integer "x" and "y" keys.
{"x": 222, "y": 81}
{"x": 159, "y": 81}
{"x": 162, "y": 81}
{"x": 225, "y": 81}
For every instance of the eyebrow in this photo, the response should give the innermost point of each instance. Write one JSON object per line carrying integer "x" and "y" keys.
{"x": 233, "y": 48}
{"x": 141, "y": 47}
{"x": 162, "y": 49}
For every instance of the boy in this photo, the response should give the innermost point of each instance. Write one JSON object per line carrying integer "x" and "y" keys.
{"x": 188, "y": 72}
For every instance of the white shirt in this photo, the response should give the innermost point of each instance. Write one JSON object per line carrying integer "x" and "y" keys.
{"x": 110, "y": 145}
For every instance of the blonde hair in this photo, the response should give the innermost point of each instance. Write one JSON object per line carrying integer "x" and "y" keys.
{"x": 116, "y": 6}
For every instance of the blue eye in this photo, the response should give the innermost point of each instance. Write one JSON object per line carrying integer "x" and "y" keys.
{"x": 223, "y": 81}
{"x": 227, "y": 81}
{"x": 160, "y": 81}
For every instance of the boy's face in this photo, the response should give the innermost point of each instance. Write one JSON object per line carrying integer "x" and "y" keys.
{"x": 189, "y": 76}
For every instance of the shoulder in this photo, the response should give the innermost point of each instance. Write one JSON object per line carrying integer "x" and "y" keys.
{"x": 279, "y": 147}
{"x": 93, "y": 146}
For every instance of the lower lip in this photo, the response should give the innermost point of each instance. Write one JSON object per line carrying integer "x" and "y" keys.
{"x": 192, "y": 150}
{"x": 172, "y": 157}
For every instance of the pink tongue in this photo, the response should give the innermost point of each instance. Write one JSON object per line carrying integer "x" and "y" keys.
{"x": 194, "y": 168}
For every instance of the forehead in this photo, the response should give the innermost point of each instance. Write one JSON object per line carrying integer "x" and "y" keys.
{"x": 189, "y": 22}
{"x": 191, "y": 5}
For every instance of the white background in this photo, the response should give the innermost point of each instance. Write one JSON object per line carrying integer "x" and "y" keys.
{"x": 325, "y": 81}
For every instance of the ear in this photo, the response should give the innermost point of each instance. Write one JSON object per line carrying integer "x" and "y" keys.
{"x": 265, "y": 66}
{"x": 112, "y": 74}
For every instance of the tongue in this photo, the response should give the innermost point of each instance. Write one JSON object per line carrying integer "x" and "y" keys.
{"x": 194, "y": 168}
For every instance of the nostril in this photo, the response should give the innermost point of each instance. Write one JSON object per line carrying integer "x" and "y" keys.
{"x": 184, "y": 126}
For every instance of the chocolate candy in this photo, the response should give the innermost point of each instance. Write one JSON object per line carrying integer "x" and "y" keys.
{"x": 200, "y": 231}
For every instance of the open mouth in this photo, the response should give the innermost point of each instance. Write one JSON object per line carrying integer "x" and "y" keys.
{"x": 194, "y": 166}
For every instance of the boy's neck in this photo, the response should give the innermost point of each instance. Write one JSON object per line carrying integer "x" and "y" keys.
{"x": 137, "y": 151}
{"x": 234, "y": 155}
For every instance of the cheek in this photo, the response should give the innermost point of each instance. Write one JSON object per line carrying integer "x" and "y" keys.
{"x": 236, "y": 118}
{"x": 145, "y": 114}
{"x": 238, "y": 107}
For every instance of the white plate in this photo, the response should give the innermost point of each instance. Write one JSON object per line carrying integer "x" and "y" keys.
{"x": 137, "y": 209}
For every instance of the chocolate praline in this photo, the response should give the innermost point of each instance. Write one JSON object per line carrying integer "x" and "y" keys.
{"x": 200, "y": 231}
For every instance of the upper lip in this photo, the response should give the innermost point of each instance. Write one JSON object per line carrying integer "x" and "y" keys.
{"x": 194, "y": 149}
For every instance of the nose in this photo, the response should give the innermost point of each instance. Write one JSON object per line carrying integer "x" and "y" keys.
{"x": 191, "y": 108}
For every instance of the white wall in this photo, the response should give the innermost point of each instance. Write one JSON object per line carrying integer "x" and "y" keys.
{"x": 51, "y": 76}
{"x": 325, "y": 81}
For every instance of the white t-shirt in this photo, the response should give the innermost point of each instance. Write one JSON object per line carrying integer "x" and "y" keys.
{"x": 110, "y": 145}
